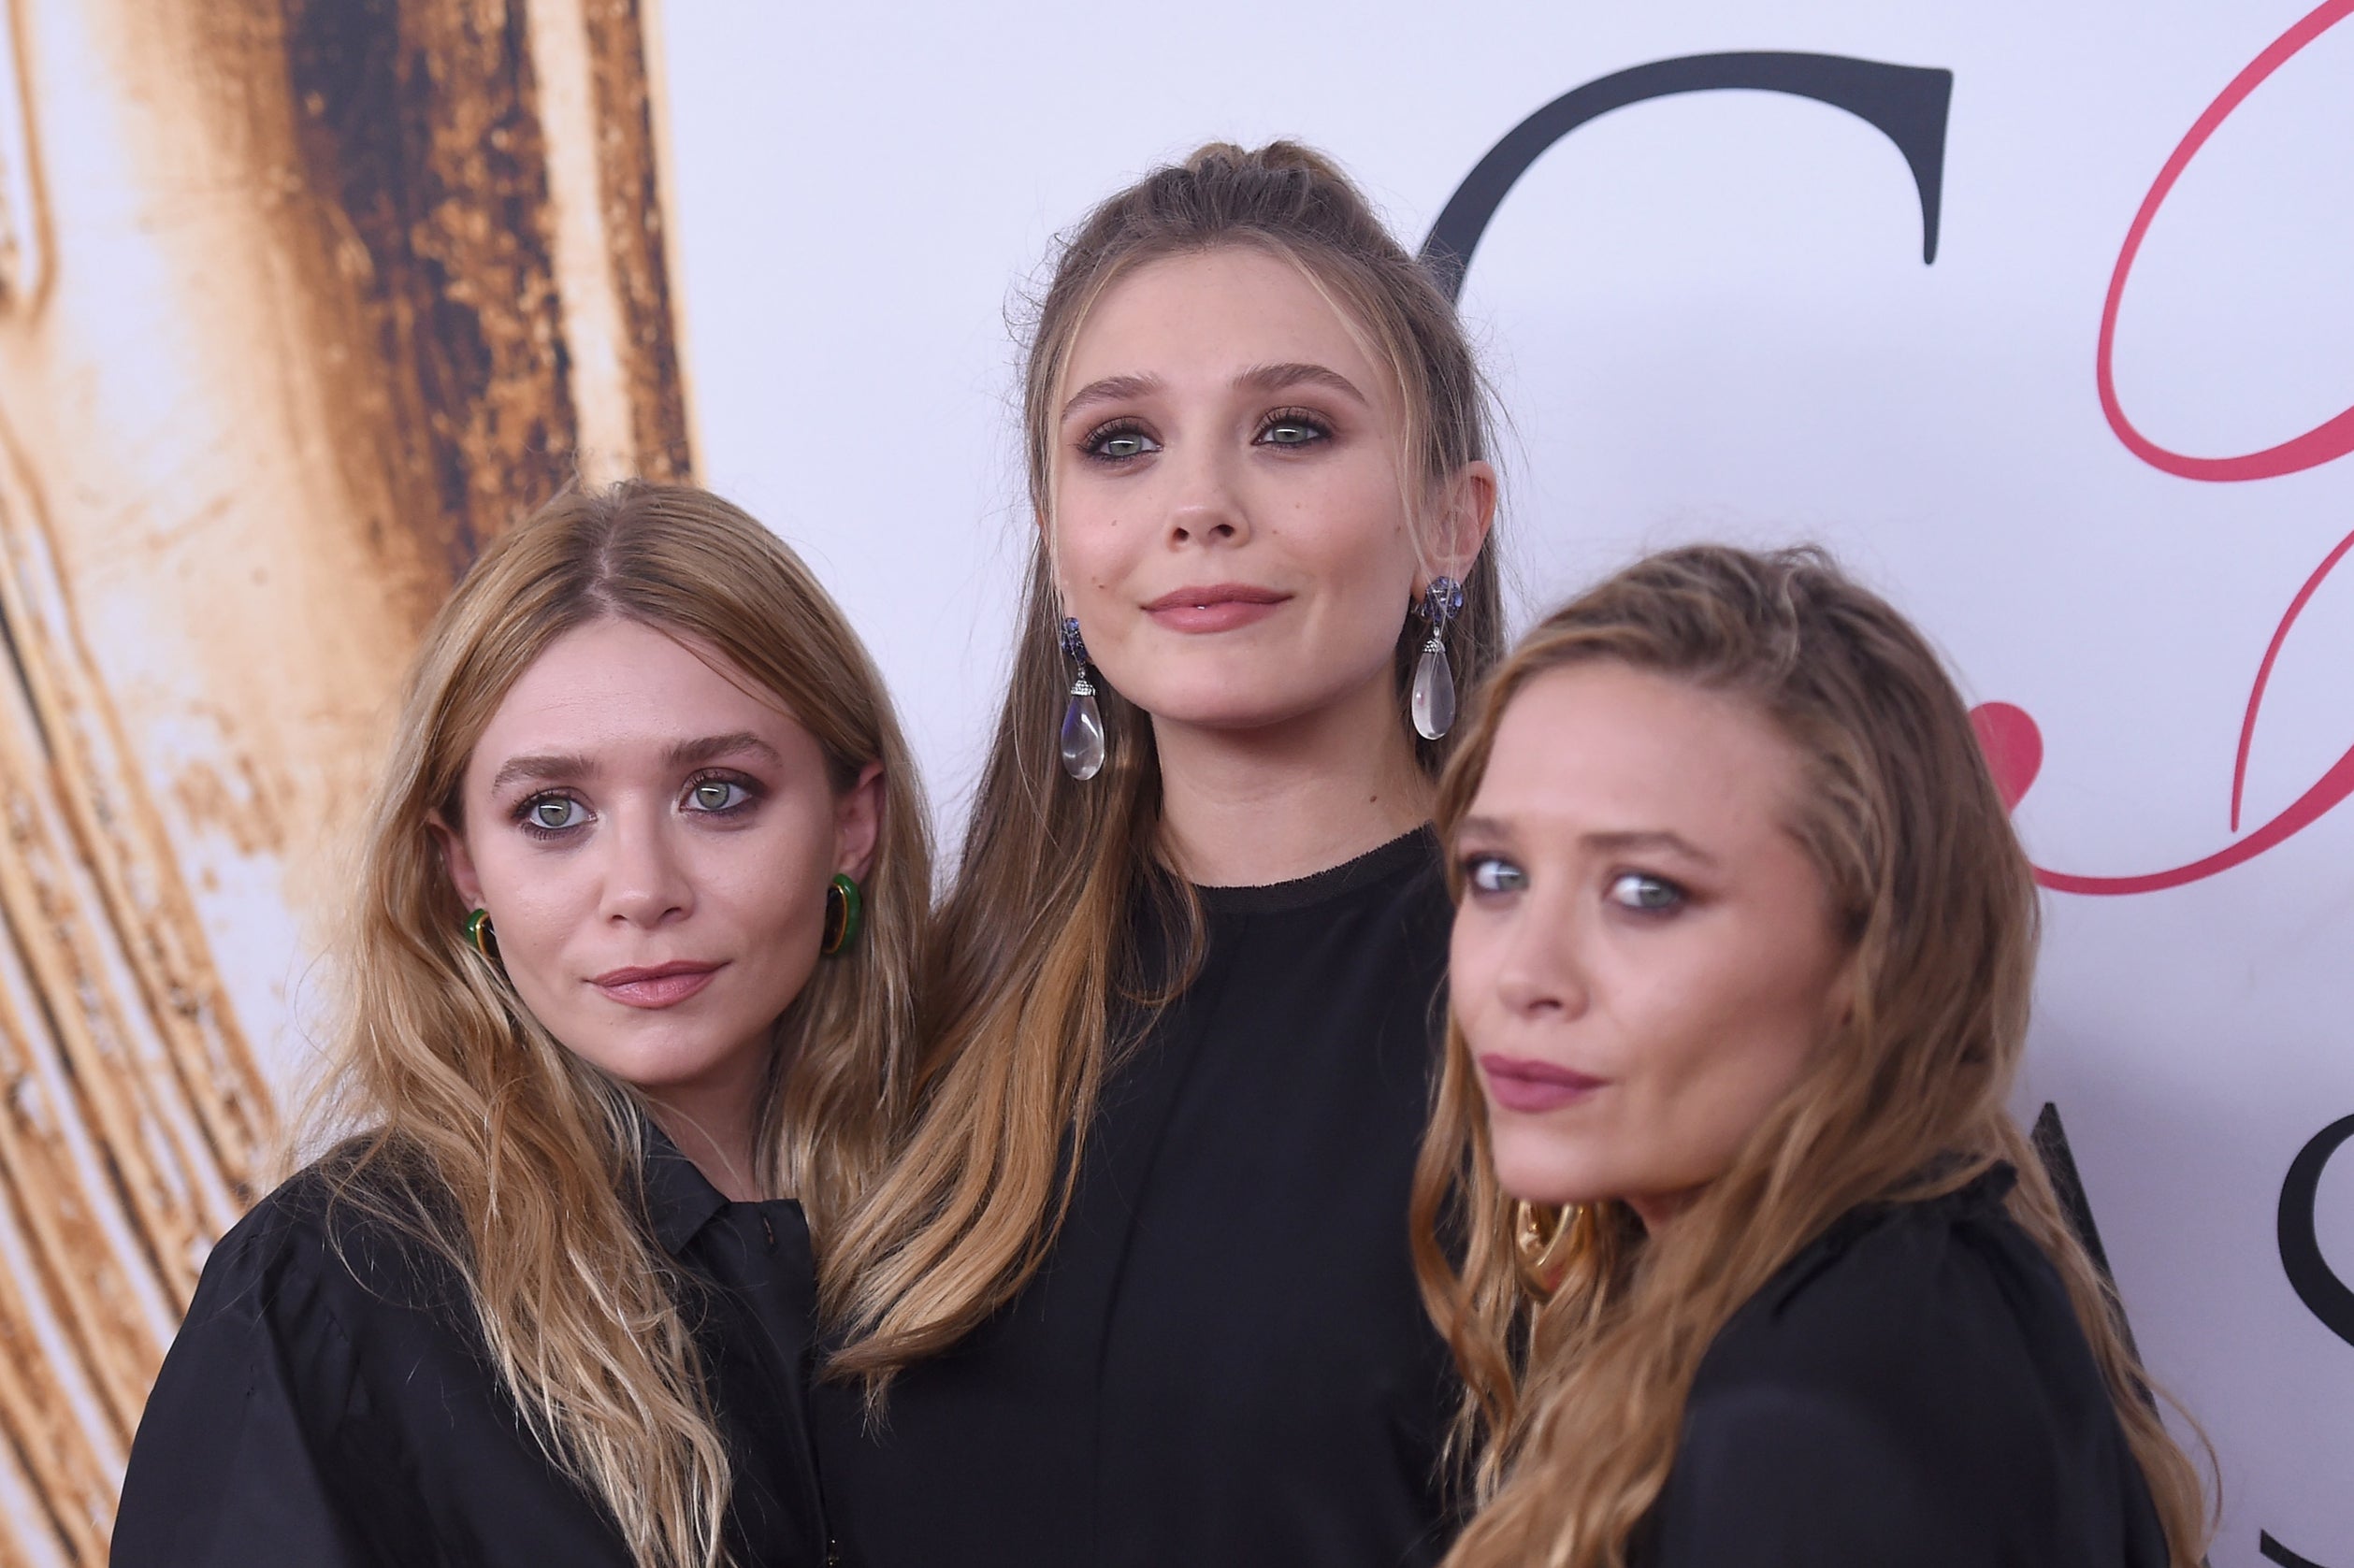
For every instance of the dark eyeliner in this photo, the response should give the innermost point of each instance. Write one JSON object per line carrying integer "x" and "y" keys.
{"x": 1092, "y": 444}
{"x": 520, "y": 815}
{"x": 1320, "y": 427}
{"x": 753, "y": 791}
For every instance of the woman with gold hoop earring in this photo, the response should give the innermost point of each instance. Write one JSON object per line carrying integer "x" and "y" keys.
{"x": 640, "y": 913}
{"x": 1740, "y": 977}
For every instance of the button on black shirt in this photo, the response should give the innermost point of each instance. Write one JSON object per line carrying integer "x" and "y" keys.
{"x": 340, "y": 1411}
{"x": 1224, "y": 1360}
{"x": 1913, "y": 1388}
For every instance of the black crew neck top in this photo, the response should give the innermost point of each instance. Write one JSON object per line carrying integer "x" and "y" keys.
{"x": 1224, "y": 1359}
{"x": 328, "y": 1401}
{"x": 1913, "y": 1388}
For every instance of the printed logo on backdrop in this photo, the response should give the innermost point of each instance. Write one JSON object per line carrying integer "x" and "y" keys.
{"x": 1909, "y": 105}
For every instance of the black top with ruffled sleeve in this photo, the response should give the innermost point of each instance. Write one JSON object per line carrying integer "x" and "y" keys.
{"x": 329, "y": 1402}
{"x": 1913, "y": 1388}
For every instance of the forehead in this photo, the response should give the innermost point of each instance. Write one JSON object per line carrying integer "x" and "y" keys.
{"x": 617, "y": 684}
{"x": 1210, "y": 314}
{"x": 1606, "y": 748}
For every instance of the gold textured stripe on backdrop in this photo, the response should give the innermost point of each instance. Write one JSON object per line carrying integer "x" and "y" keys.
{"x": 438, "y": 282}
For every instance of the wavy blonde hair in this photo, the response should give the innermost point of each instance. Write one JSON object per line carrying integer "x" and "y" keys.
{"x": 472, "y": 1130}
{"x": 1034, "y": 954}
{"x": 1575, "y": 1403}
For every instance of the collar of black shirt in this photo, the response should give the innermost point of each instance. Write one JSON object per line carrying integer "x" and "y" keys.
{"x": 679, "y": 1201}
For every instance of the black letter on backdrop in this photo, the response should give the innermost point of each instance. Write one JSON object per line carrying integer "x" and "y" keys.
{"x": 2323, "y": 1294}
{"x": 1907, "y": 103}
{"x": 2310, "y": 1277}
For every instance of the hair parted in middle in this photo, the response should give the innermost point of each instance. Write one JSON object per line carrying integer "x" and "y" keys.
{"x": 467, "y": 1127}
{"x": 1576, "y": 1398}
{"x": 1034, "y": 960}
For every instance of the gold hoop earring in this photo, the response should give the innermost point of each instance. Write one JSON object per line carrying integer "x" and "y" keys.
{"x": 1542, "y": 1242}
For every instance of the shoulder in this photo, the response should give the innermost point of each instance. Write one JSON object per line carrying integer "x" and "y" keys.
{"x": 1903, "y": 1302}
{"x": 341, "y": 1239}
{"x": 1914, "y": 1380}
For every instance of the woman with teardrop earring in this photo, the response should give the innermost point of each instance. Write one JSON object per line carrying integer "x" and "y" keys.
{"x": 1743, "y": 1257}
{"x": 1138, "y": 1290}
{"x": 630, "y": 968}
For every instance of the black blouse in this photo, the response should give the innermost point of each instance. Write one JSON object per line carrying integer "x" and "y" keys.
{"x": 1913, "y": 1388}
{"x": 1224, "y": 1360}
{"x": 341, "y": 1412}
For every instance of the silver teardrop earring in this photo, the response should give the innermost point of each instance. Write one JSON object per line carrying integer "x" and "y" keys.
{"x": 1433, "y": 703}
{"x": 1082, "y": 734}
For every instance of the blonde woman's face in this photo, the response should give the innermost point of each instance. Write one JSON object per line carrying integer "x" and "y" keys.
{"x": 1230, "y": 523}
{"x": 1643, "y": 962}
{"x": 653, "y": 837}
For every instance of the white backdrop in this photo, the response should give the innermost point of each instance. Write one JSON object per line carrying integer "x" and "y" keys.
{"x": 1709, "y": 315}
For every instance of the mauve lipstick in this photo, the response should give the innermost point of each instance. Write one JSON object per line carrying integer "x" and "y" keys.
{"x": 658, "y": 987}
{"x": 1216, "y": 606}
{"x": 1532, "y": 1087}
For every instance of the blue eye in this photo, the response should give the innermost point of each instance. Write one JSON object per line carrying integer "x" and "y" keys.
{"x": 1645, "y": 895}
{"x": 1488, "y": 873}
{"x": 1291, "y": 431}
{"x": 1119, "y": 443}
{"x": 548, "y": 814}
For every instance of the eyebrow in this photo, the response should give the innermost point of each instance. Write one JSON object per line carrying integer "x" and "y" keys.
{"x": 1624, "y": 841}
{"x": 545, "y": 768}
{"x": 565, "y": 767}
{"x": 1276, "y": 378}
{"x": 1263, "y": 378}
{"x": 1112, "y": 389}
{"x": 690, "y": 753}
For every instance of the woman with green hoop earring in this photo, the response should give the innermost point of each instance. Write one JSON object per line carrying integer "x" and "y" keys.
{"x": 624, "y": 1041}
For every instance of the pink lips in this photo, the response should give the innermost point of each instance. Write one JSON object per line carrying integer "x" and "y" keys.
{"x": 1530, "y": 1088}
{"x": 662, "y": 985}
{"x": 1217, "y": 606}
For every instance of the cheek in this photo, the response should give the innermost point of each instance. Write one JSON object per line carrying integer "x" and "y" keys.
{"x": 1472, "y": 954}
{"x": 1720, "y": 1057}
{"x": 770, "y": 884}
{"x": 539, "y": 898}
{"x": 1095, "y": 541}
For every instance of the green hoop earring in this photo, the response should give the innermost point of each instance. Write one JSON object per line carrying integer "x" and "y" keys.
{"x": 843, "y": 911}
{"x": 479, "y": 936}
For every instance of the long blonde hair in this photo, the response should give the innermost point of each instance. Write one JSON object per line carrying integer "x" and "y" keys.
{"x": 1576, "y": 1402}
{"x": 1034, "y": 956}
{"x": 474, "y": 1132}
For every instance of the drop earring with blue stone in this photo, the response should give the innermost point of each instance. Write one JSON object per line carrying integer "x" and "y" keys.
{"x": 1082, "y": 736}
{"x": 1432, "y": 701}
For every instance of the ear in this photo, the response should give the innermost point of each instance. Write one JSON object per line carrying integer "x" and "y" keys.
{"x": 1467, "y": 510}
{"x": 460, "y": 864}
{"x": 857, "y": 823}
{"x": 1839, "y": 998}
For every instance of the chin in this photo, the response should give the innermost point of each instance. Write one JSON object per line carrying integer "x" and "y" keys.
{"x": 1532, "y": 1168}
{"x": 1224, "y": 704}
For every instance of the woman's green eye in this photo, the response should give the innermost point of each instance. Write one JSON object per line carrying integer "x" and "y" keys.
{"x": 717, "y": 794}
{"x": 555, "y": 813}
{"x": 1647, "y": 895}
{"x": 1488, "y": 874}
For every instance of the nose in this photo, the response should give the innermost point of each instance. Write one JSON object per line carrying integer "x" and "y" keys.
{"x": 1543, "y": 977}
{"x": 646, "y": 878}
{"x": 1203, "y": 505}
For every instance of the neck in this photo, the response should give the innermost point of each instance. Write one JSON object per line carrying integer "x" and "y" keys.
{"x": 1247, "y": 808}
{"x": 1659, "y": 1208}
{"x": 712, "y": 1126}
